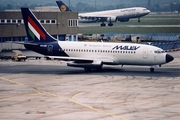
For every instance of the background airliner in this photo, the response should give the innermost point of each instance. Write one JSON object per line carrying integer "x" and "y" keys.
{"x": 122, "y": 15}
{"x": 90, "y": 55}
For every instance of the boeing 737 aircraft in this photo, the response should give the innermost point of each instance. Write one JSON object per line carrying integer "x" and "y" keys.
{"x": 90, "y": 55}
{"x": 122, "y": 15}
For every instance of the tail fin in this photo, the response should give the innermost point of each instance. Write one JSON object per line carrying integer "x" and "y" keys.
{"x": 62, "y": 6}
{"x": 35, "y": 31}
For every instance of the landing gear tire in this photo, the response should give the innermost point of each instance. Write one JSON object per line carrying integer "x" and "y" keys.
{"x": 152, "y": 69}
{"x": 103, "y": 24}
{"x": 110, "y": 24}
{"x": 139, "y": 20}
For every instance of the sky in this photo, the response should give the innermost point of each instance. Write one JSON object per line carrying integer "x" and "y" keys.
{"x": 101, "y": 4}
{"x": 74, "y": 2}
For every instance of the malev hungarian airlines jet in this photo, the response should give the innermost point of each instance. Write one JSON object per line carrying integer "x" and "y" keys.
{"x": 90, "y": 55}
{"x": 122, "y": 15}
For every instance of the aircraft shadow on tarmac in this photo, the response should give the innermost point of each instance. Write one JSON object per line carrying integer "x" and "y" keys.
{"x": 118, "y": 71}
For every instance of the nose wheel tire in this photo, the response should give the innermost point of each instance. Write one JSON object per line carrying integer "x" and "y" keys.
{"x": 152, "y": 69}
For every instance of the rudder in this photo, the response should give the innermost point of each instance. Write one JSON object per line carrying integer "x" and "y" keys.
{"x": 63, "y": 7}
{"x": 34, "y": 29}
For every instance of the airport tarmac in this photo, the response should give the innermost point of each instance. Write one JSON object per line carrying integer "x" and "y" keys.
{"x": 49, "y": 90}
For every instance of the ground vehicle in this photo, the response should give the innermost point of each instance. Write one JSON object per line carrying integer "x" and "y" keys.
{"x": 18, "y": 56}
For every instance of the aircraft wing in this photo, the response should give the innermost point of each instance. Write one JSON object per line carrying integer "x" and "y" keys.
{"x": 81, "y": 60}
{"x": 98, "y": 17}
{"x": 89, "y": 15}
{"x": 70, "y": 58}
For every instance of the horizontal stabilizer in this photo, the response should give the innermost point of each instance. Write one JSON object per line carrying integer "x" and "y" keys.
{"x": 24, "y": 43}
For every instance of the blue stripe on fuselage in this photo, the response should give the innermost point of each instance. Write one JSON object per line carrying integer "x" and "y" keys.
{"x": 48, "y": 49}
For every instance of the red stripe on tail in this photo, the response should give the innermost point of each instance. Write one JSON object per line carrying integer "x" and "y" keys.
{"x": 37, "y": 28}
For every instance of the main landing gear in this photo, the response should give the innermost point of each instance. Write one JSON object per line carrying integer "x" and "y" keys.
{"x": 152, "y": 69}
{"x": 139, "y": 20}
{"x": 103, "y": 24}
{"x": 110, "y": 24}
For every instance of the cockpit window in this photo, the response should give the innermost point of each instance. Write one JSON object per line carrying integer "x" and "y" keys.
{"x": 159, "y": 51}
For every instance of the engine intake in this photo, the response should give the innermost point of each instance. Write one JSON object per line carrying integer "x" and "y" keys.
{"x": 123, "y": 20}
{"x": 94, "y": 64}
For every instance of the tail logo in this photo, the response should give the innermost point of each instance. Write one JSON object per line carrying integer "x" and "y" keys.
{"x": 63, "y": 8}
{"x": 34, "y": 30}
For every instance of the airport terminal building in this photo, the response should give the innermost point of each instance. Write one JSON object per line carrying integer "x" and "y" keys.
{"x": 61, "y": 25}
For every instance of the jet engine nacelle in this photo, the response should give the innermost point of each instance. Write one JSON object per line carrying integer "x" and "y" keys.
{"x": 85, "y": 64}
{"x": 111, "y": 19}
{"x": 123, "y": 20}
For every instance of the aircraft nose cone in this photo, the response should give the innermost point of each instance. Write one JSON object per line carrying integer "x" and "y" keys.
{"x": 169, "y": 58}
{"x": 148, "y": 11}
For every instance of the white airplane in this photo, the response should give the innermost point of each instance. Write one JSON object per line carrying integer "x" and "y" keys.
{"x": 122, "y": 15}
{"x": 90, "y": 55}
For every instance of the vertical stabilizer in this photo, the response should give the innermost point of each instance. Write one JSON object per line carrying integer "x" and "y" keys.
{"x": 62, "y": 6}
{"x": 34, "y": 29}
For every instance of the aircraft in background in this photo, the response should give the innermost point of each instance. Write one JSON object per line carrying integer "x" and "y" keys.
{"x": 122, "y": 15}
{"x": 89, "y": 55}
{"x": 63, "y": 7}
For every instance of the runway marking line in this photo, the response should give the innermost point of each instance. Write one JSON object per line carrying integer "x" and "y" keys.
{"x": 3, "y": 97}
{"x": 18, "y": 83}
{"x": 73, "y": 99}
{"x": 95, "y": 109}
